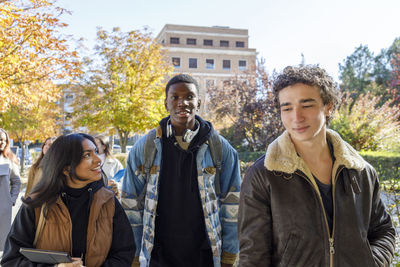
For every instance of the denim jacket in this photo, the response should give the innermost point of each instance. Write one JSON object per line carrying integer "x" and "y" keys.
{"x": 220, "y": 210}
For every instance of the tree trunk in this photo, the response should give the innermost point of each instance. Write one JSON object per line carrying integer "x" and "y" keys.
{"x": 123, "y": 140}
{"x": 22, "y": 159}
{"x": 111, "y": 133}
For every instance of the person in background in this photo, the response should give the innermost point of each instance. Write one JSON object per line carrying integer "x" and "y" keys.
{"x": 111, "y": 165}
{"x": 10, "y": 184}
{"x": 80, "y": 215}
{"x": 312, "y": 200}
{"x": 35, "y": 171}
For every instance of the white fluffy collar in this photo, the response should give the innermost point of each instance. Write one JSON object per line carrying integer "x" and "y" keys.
{"x": 281, "y": 154}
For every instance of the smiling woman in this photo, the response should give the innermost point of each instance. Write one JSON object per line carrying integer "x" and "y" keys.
{"x": 77, "y": 209}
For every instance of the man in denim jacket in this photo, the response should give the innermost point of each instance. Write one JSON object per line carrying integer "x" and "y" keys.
{"x": 177, "y": 215}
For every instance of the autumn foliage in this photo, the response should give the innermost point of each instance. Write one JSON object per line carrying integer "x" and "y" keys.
{"x": 123, "y": 86}
{"x": 366, "y": 125}
{"x": 34, "y": 56}
{"x": 31, "y": 51}
{"x": 246, "y": 105}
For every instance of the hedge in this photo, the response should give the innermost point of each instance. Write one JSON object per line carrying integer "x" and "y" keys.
{"x": 387, "y": 164}
{"x": 250, "y": 156}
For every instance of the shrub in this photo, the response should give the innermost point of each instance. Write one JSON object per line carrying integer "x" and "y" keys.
{"x": 248, "y": 156}
{"x": 386, "y": 164}
{"x": 367, "y": 126}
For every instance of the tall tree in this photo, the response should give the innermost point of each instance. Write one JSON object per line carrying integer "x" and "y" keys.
{"x": 356, "y": 71}
{"x": 394, "y": 86}
{"x": 123, "y": 88}
{"x": 386, "y": 66}
{"x": 33, "y": 56}
{"x": 31, "y": 48}
{"x": 35, "y": 121}
{"x": 248, "y": 104}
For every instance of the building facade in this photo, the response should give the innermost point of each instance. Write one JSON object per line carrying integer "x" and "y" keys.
{"x": 212, "y": 55}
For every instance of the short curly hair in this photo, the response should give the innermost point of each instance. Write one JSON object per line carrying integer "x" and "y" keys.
{"x": 310, "y": 75}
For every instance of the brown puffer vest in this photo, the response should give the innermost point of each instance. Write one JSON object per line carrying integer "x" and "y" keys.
{"x": 57, "y": 230}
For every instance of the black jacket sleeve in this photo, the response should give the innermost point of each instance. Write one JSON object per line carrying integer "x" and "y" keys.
{"x": 381, "y": 233}
{"x": 22, "y": 234}
{"x": 255, "y": 220}
{"x": 123, "y": 246}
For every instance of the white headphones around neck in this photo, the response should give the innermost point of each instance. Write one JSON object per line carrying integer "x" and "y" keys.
{"x": 187, "y": 135}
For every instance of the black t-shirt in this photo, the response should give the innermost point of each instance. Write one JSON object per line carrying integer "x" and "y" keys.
{"x": 326, "y": 194}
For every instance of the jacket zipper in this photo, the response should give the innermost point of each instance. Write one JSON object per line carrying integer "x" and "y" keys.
{"x": 331, "y": 237}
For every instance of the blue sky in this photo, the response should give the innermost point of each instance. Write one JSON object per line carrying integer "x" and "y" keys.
{"x": 326, "y": 32}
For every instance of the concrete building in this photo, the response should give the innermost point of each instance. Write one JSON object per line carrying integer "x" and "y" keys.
{"x": 212, "y": 55}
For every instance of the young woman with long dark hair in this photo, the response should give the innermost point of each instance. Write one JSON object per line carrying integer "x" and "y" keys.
{"x": 81, "y": 216}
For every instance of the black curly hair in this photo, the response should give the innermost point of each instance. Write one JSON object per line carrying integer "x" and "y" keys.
{"x": 310, "y": 75}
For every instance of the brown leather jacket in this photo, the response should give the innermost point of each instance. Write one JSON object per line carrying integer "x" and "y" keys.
{"x": 57, "y": 231}
{"x": 282, "y": 219}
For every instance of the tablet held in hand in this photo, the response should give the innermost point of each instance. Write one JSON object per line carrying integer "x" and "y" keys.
{"x": 45, "y": 256}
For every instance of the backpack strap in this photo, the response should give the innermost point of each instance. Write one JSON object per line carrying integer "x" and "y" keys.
{"x": 149, "y": 155}
{"x": 215, "y": 146}
{"x": 149, "y": 151}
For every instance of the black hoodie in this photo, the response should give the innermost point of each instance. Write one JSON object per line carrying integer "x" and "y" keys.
{"x": 180, "y": 232}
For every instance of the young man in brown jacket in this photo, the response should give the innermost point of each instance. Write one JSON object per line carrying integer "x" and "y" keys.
{"x": 312, "y": 200}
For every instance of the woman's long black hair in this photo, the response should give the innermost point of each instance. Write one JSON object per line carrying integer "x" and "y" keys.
{"x": 64, "y": 154}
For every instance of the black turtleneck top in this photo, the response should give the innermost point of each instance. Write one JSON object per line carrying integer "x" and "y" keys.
{"x": 78, "y": 202}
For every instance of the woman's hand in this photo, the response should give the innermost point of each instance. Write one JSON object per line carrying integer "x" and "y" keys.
{"x": 77, "y": 262}
{"x": 113, "y": 187}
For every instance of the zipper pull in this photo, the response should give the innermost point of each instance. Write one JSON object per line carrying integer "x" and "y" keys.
{"x": 331, "y": 247}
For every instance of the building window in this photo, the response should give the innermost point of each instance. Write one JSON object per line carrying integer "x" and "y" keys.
{"x": 191, "y": 41}
{"x": 224, "y": 43}
{"x": 174, "y": 40}
{"x": 226, "y": 64}
{"x": 193, "y": 63}
{"x": 239, "y": 44}
{"x": 176, "y": 61}
{"x": 242, "y": 64}
{"x": 210, "y": 64}
{"x": 208, "y": 42}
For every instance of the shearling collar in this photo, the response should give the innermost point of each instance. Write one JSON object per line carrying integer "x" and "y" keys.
{"x": 281, "y": 155}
